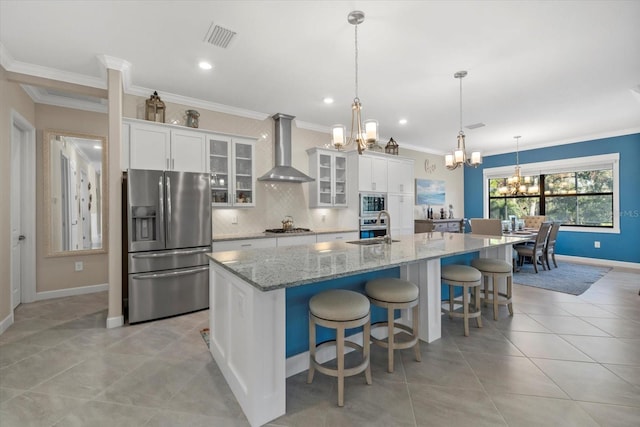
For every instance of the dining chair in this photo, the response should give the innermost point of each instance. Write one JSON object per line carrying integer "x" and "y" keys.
{"x": 550, "y": 246}
{"x": 490, "y": 227}
{"x": 533, "y": 221}
{"x": 535, "y": 252}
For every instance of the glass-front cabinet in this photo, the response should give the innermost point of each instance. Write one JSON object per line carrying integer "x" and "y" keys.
{"x": 329, "y": 168}
{"x": 232, "y": 167}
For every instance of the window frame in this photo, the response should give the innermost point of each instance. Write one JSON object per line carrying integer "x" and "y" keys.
{"x": 603, "y": 161}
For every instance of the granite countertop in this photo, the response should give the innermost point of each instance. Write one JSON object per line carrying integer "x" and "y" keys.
{"x": 275, "y": 268}
{"x": 262, "y": 235}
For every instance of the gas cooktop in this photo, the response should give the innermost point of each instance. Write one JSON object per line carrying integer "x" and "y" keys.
{"x": 291, "y": 230}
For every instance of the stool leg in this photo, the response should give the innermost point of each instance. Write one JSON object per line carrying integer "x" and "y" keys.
{"x": 366, "y": 349}
{"x": 416, "y": 323}
{"x": 495, "y": 297}
{"x": 312, "y": 348}
{"x": 390, "y": 338}
{"x": 485, "y": 290}
{"x": 340, "y": 359}
{"x": 465, "y": 309}
{"x": 509, "y": 293}
{"x": 450, "y": 300}
{"x": 476, "y": 292}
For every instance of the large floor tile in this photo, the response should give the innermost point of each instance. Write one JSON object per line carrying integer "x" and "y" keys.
{"x": 441, "y": 368}
{"x": 36, "y": 409}
{"x": 616, "y": 327}
{"x": 520, "y": 322}
{"x": 585, "y": 309}
{"x": 493, "y": 372}
{"x": 547, "y": 346}
{"x": 16, "y": 351}
{"x": 590, "y": 382}
{"x": 486, "y": 340}
{"x": 532, "y": 411}
{"x": 106, "y": 414}
{"x": 619, "y": 351}
{"x": 612, "y": 416}
{"x": 630, "y": 374}
{"x": 8, "y": 393}
{"x": 434, "y": 406}
{"x": 182, "y": 419}
{"x": 568, "y": 325}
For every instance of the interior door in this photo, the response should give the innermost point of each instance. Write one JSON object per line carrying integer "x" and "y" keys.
{"x": 16, "y": 223}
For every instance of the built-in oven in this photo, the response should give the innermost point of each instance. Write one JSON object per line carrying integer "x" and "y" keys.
{"x": 369, "y": 227}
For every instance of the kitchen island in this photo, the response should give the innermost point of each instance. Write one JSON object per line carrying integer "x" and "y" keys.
{"x": 248, "y": 302}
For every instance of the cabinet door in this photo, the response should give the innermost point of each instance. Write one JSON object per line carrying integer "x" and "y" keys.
{"x": 379, "y": 173}
{"x": 220, "y": 169}
{"x": 400, "y": 176}
{"x": 188, "y": 151}
{"x": 149, "y": 147}
{"x": 365, "y": 167}
{"x": 243, "y": 172}
{"x": 340, "y": 180}
{"x": 325, "y": 178}
{"x": 400, "y": 208}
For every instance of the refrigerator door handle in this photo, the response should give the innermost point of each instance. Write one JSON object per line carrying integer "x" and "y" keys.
{"x": 160, "y": 224}
{"x": 169, "y": 274}
{"x": 169, "y": 218}
{"x": 172, "y": 253}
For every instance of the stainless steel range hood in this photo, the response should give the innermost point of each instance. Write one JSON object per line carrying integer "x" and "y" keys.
{"x": 283, "y": 171}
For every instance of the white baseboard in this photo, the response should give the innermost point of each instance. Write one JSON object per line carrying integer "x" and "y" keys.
{"x": 115, "y": 322}
{"x": 71, "y": 291}
{"x": 598, "y": 262}
{"x": 6, "y": 322}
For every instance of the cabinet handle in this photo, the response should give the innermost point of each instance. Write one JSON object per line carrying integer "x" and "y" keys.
{"x": 402, "y": 188}
{"x": 245, "y": 245}
{"x": 173, "y": 164}
{"x": 167, "y": 161}
{"x": 373, "y": 186}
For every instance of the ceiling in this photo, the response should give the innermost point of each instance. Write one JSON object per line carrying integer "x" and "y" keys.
{"x": 553, "y": 72}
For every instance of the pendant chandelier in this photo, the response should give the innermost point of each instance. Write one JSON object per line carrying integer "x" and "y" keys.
{"x": 459, "y": 156}
{"x": 517, "y": 184}
{"x": 365, "y": 137}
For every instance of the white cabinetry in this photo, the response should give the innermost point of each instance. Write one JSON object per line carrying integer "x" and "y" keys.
{"x": 162, "y": 147}
{"x": 329, "y": 168}
{"x": 400, "y": 207}
{"x": 332, "y": 237}
{"x": 372, "y": 173}
{"x": 307, "y": 239}
{"x": 241, "y": 244}
{"x": 400, "y": 176}
{"x": 232, "y": 167}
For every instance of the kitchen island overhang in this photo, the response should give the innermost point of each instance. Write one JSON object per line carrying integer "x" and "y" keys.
{"x": 248, "y": 302}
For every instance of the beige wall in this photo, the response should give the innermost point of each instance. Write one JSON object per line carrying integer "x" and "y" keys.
{"x": 12, "y": 97}
{"x": 58, "y": 272}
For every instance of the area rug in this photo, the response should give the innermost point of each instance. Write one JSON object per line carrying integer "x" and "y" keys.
{"x": 205, "y": 335}
{"x": 569, "y": 278}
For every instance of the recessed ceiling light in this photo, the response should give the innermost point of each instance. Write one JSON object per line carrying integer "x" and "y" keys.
{"x": 328, "y": 100}
{"x": 402, "y": 121}
{"x": 205, "y": 65}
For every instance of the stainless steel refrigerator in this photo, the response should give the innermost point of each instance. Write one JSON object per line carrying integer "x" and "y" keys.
{"x": 169, "y": 233}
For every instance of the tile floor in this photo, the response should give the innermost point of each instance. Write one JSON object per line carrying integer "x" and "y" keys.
{"x": 560, "y": 360}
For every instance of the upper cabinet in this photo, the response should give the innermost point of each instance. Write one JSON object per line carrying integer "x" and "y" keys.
{"x": 161, "y": 147}
{"x": 372, "y": 172}
{"x": 400, "y": 175}
{"x": 232, "y": 167}
{"x": 329, "y": 168}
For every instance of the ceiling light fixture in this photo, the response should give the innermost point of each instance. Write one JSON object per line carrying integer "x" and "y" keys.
{"x": 459, "y": 156}
{"x": 366, "y": 137}
{"x": 328, "y": 100}
{"x": 517, "y": 184}
{"x": 402, "y": 121}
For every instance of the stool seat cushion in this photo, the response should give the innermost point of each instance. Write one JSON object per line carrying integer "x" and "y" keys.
{"x": 339, "y": 305}
{"x": 390, "y": 289}
{"x": 491, "y": 265}
{"x": 460, "y": 273}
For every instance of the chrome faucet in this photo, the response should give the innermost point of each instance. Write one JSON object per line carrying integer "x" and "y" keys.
{"x": 387, "y": 236}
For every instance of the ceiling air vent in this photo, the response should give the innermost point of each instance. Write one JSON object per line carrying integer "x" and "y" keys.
{"x": 475, "y": 126}
{"x": 219, "y": 36}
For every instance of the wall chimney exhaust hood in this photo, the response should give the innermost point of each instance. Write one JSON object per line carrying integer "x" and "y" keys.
{"x": 283, "y": 171}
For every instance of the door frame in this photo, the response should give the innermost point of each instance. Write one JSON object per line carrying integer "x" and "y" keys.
{"x": 28, "y": 206}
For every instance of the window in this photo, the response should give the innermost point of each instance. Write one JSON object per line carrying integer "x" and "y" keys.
{"x": 581, "y": 193}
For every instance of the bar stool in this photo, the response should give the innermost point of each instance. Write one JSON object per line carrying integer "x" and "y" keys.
{"x": 495, "y": 269}
{"x": 395, "y": 294}
{"x": 468, "y": 278}
{"x": 339, "y": 309}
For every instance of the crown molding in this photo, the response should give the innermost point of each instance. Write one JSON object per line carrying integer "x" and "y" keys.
{"x": 312, "y": 126}
{"x": 41, "y": 96}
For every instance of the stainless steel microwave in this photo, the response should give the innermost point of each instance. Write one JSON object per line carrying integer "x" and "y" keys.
{"x": 372, "y": 203}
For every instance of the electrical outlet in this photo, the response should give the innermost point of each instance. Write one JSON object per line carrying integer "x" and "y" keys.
{"x": 596, "y": 244}
{"x": 324, "y": 217}
{"x": 234, "y": 219}
{"x": 79, "y": 266}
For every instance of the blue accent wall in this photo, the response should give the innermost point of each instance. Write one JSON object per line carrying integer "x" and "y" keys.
{"x": 618, "y": 247}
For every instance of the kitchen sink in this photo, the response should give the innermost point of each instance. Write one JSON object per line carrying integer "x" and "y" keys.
{"x": 373, "y": 241}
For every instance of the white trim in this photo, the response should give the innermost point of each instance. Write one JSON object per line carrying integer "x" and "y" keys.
{"x": 28, "y": 210}
{"x": 563, "y": 165}
{"x": 40, "y": 95}
{"x": 312, "y": 126}
{"x": 115, "y": 322}
{"x": 68, "y": 292}
{"x": 6, "y": 322}
{"x": 599, "y": 261}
